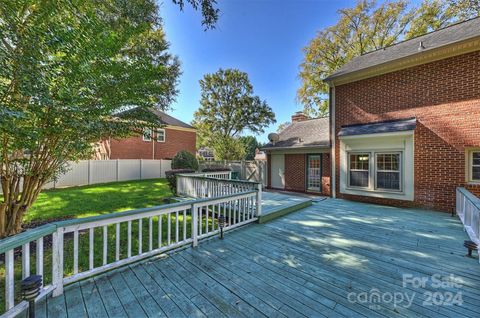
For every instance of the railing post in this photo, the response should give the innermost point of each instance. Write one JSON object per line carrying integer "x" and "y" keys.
{"x": 57, "y": 266}
{"x": 194, "y": 225}
{"x": 259, "y": 199}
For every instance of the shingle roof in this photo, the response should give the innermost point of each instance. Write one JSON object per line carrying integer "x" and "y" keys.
{"x": 308, "y": 133}
{"x": 433, "y": 40}
{"x": 169, "y": 120}
{"x": 379, "y": 127}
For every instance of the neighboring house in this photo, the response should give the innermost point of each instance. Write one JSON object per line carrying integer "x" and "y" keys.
{"x": 205, "y": 153}
{"x": 260, "y": 155}
{"x": 406, "y": 121}
{"x": 161, "y": 143}
{"x": 298, "y": 158}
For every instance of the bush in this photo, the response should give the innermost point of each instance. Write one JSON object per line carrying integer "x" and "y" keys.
{"x": 171, "y": 176}
{"x": 216, "y": 169}
{"x": 184, "y": 160}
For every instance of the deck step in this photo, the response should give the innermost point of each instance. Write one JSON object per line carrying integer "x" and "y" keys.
{"x": 287, "y": 206}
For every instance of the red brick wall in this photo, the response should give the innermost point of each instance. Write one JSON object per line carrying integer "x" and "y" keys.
{"x": 136, "y": 148}
{"x": 295, "y": 174}
{"x": 326, "y": 173}
{"x": 444, "y": 96}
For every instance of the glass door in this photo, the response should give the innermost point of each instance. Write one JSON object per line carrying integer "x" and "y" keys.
{"x": 314, "y": 175}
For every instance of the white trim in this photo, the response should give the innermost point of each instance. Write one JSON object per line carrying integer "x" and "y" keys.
{"x": 389, "y": 134}
{"x": 401, "y": 143}
{"x": 164, "y": 135}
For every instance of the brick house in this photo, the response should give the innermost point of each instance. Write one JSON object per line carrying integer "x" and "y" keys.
{"x": 405, "y": 121}
{"x": 161, "y": 143}
{"x": 298, "y": 158}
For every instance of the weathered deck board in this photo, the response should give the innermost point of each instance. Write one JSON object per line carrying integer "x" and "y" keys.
{"x": 304, "y": 264}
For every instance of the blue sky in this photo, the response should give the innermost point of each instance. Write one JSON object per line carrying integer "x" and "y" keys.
{"x": 261, "y": 37}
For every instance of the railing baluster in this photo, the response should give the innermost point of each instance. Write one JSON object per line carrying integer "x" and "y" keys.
{"x": 160, "y": 230}
{"x": 150, "y": 234}
{"x": 117, "y": 242}
{"x": 91, "y": 247}
{"x": 9, "y": 280}
{"x": 184, "y": 225}
{"x": 176, "y": 226}
{"x": 39, "y": 257}
{"x": 140, "y": 232}
{"x": 129, "y": 239}
{"x": 169, "y": 228}
{"x": 75, "y": 252}
{"x": 25, "y": 260}
{"x": 105, "y": 245}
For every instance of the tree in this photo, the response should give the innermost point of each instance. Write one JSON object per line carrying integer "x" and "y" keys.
{"x": 67, "y": 68}
{"x": 282, "y": 126}
{"x": 364, "y": 28}
{"x": 209, "y": 12}
{"x": 229, "y": 107}
{"x": 250, "y": 144}
{"x": 228, "y": 148}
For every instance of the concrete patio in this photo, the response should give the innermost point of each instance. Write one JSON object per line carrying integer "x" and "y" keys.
{"x": 319, "y": 261}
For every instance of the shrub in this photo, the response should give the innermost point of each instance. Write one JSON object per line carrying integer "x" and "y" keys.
{"x": 184, "y": 160}
{"x": 171, "y": 176}
{"x": 216, "y": 169}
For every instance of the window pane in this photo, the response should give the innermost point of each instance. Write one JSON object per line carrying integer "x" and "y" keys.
{"x": 359, "y": 178}
{"x": 476, "y": 158}
{"x": 388, "y": 180}
{"x": 476, "y": 173}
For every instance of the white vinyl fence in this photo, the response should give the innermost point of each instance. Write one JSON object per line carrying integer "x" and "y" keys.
{"x": 254, "y": 170}
{"x": 87, "y": 172}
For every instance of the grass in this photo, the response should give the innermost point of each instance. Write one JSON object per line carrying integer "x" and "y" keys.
{"x": 79, "y": 202}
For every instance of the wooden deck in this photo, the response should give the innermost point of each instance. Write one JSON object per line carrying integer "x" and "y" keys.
{"x": 313, "y": 263}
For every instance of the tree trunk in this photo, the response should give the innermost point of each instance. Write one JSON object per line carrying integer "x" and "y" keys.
{"x": 16, "y": 202}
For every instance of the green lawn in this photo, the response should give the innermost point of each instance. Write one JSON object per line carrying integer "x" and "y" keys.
{"x": 98, "y": 199}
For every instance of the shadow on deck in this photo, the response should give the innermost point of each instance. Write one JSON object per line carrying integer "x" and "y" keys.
{"x": 320, "y": 261}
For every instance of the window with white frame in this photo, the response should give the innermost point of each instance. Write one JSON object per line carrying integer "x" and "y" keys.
{"x": 388, "y": 171}
{"x": 160, "y": 135}
{"x": 475, "y": 166}
{"x": 358, "y": 170}
{"x": 147, "y": 134}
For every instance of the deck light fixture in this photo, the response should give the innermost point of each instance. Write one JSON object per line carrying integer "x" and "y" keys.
{"x": 30, "y": 290}
{"x": 221, "y": 223}
{"x": 470, "y": 245}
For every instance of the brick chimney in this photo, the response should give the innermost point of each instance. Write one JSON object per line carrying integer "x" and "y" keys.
{"x": 299, "y": 116}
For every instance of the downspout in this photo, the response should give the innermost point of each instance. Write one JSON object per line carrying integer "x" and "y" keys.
{"x": 332, "y": 139}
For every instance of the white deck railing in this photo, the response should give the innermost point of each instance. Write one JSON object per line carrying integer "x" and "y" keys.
{"x": 468, "y": 209}
{"x": 147, "y": 232}
{"x": 199, "y": 186}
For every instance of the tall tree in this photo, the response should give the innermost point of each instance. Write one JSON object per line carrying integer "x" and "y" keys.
{"x": 67, "y": 67}
{"x": 366, "y": 27}
{"x": 250, "y": 144}
{"x": 229, "y": 107}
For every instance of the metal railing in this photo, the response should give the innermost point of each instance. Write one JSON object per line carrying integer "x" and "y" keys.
{"x": 468, "y": 210}
{"x": 118, "y": 239}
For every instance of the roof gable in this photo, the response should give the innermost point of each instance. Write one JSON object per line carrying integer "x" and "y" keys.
{"x": 420, "y": 49}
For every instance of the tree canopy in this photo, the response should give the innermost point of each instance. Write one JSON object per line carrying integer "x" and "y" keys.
{"x": 229, "y": 107}
{"x": 366, "y": 27}
{"x": 67, "y": 69}
{"x": 250, "y": 144}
